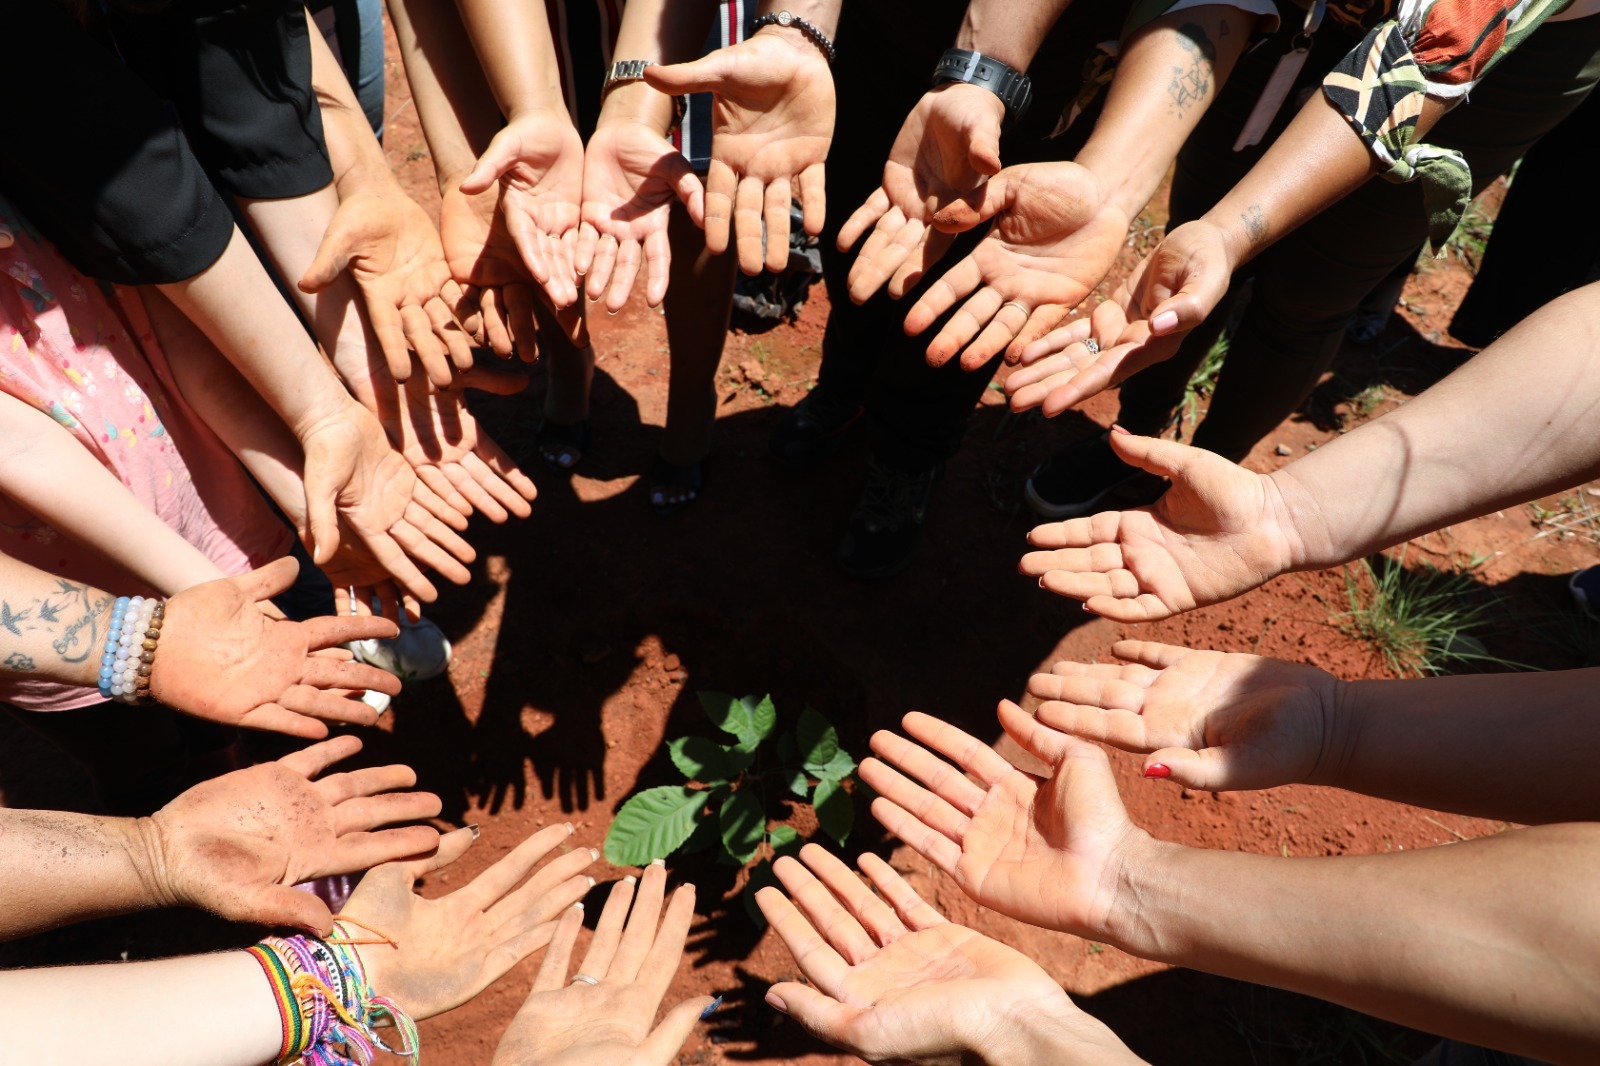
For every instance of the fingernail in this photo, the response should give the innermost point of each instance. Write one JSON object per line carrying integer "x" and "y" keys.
{"x": 1156, "y": 769}
{"x": 594, "y": 854}
{"x": 711, "y": 1008}
{"x": 659, "y": 862}
{"x": 578, "y": 906}
{"x": 1117, "y": 428}
{"x": 570, "y": 830}
{"x": 1164, "y": 322}
{"x": 590, "y": 880}
{"x": 777, "y": 1003}
{"x": 473, "y": 829}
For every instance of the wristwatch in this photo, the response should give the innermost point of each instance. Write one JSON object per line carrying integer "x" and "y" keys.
{"x": 624, "y": 71}
{"x": 805, "y": 26}
{"x": 1012, "y": 86}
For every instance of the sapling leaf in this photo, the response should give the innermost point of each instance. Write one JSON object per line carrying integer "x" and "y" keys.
{"x": 838, "y": 768}
{"x": 704, "y": 760}
{"x": 749, "y": 719}
{"x": 763, "y": 719}
{"x": 653, "y": 824}
{"x": 781, "y": 837}
{"x": 799, "y": 784}
{"x": 835, "y": 813}
{"x": 743, "y": 824}
{"x": 817, "y": 740}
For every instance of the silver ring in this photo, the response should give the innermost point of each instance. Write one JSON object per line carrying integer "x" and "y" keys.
{"x": 1092, "y": 344}
{"x": 1019, "y": 305}
{"x": 585, "y": 978}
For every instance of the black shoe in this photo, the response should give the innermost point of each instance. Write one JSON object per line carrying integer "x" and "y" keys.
{"x": 673, "y": 487}
{"x": 1083, "y": 478}
{"x": 813, "y": 430}
{"x": 562, "y": 447}
{"x": 887, "y": 528}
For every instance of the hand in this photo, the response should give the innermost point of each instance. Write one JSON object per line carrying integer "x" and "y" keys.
{"x": 631, "y": 175}
{"x": 948, "y": 146}
{"x": 1170, "y": 292}
{"x": 1046, "y": 851}
{"x": 437, "y": 434}
{"x": 574, "y": 1023}
{"x": 895, "y": 982}
{"x": 394, "y": 253}
{"x": 236, "y": 845}
{"x": 482, "y": 256}
{"x": 447, "y": 950}
{"x": 1213, "y": 720}
{"x": 772, "y": 125}
{"x": 1054, "y": 238}
{"x": 538, "y": 161}
{"x": 1219, "y": 531}
{"x": 221, "y": 657}
{"x": 352, "y": 473}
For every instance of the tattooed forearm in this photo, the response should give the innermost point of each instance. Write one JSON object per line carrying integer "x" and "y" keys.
{"x": 1191, "y": 80}
{"x": 81, "y": 638}
{"x": 19, "y": 662}
{"x": 1255, "y": 224}
{"x": 41, "y": 614}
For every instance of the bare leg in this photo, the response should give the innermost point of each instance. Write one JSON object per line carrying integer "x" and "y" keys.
{"x": 699, "y": 301}
{"x": 566, "y": 399}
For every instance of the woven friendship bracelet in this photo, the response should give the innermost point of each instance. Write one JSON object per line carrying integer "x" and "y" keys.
{"x": 129, "y": 655}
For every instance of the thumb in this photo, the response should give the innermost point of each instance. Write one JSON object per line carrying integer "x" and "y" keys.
{"x": 322, "y": 515}
{"x": 333, "y": 255}
{"x": 502, "y": 152}
{"x": 265, "y": 582}
{"x": 820, "y": 1015}
{"x": 707, "y": 75}
{"x": 664, "y": 1041}
{"x": 691, "y": 192}
{"x": 983, "y": 150}
{"x": 1167, "y": 458}
{"x": 1205, "y": 770}
{"x": 975, "y": 207}
{"x": 282, "y": 905}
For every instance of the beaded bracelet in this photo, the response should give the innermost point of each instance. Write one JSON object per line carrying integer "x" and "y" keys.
{"x": 328, "y": 1009}
{"x": 130, "y": 650}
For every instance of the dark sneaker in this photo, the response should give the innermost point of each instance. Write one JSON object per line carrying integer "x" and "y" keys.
{"x": 887, "y": 528}
{"x": 1585, "y": 588}
{"x": 813, "y": 430}
{"x": 1087, "y": 477}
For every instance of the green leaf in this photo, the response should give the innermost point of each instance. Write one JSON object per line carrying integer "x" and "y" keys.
{"x": 782, "y": 836}
{"x": 838, "y": 768}
{"x": 818, "y": 741}
{"x": 749, "y": 719}
{"x": 800, "y": 784}
{"x": 835, "y": 813}
{"x": 700, "y": 759}
{"x": 705, "y": 833}
{"x": 743, "y": 823}
{"x": 653, "y": 824}
{"x": 761, "y": 876}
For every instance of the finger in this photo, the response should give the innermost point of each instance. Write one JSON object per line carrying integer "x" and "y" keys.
{"x": 452, "y": 846}
{"x": 875, "y": 916}
{"x": 333, "y": 256}
{"x": 862, "y": 218}
{"x": 363, "y": 851}
{"x": 881, "y": 260}
{"x": 552, "y": 973}
{"x": 814, "y": 198}
{"x": 502, "y": 152}
{"x": 666, "y": 953}
{"x": 429, "y": 553}
{"x": 310, "y": 761}
{"x": 1206, "y": 770}
{"x": 822, "y": 965}
{"x": 1002, "y": 329}
{"x": 435, "y": 505}
{"x": 1150, "y": 654}
{"x": 705, "y": 75}
{"x": 478, "y": 495}
{"x": 910, "y": 908}
{"x": 348, "y": 675}
{"x": 608, "y": 930}
{"x": 1101, "y": 558}
{"x": 640, "y": 931}
{"x": 1042, "y": 321}
{"x": 1165, "y": 458}
{"x": 964, "y": 325}
{"x": 494, "y": 323}
{"x": 553, "y": 886}
{"x": 431, "y": 351}
{"x": 1121, "y": 728}
{"x": 368, "y": 812}
{"x": 627, "y": 269}
{"x": 449, "y": 331}
{"x": 1047, "y": 745}
{"x": 926, "y": 841}
{"x": 494, "y": 382}
{"x": 434, "y": 478}
{"x": 505, "y": 499}
{"x": 427, "y": 522}
{"x": 336, "y": 788}
{"x": 505, "y": 469}
{"x": 929, "y": 809}
{"x": 964, "y": 749}
{"x": 909, "y": 274}
{"x": 583, "y": 251}
{"x": 667, "y": 1038}
{"x": 265, "y": 582}
{"x": 487, "y": 888}
{"x": 327, "y": 632}
{"x": 942, "y": 779}
{"x": 388, "y": 326}
{"x": 838, "y": 926}
{"x": 283, "y": 906}
{"x": 1104, "y": 693}
{"x": 747, "y": 205}
{"x": 775, "y": 213}
{"x": 686, "y": 186}
{"x": 272, "y": 718}
{"x": 605, "y": 260}
{"x": 721, "y": 186}
{"x": 519, "y": 302}
{"x": 822, "y": 1016}
{"x": 658, "y": 267}
{"x": 335, "y": 705}
{"x": 399, "y": 566}
{"x": 1074, "y": 532}
{"x": 1074, "y": 332}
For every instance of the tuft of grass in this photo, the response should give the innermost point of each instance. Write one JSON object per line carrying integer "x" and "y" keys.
{"x": 1576, "y": 515}
{"x": 1369, "y": 399}
{"x": 1421, "y": 621}
{"x": 1202, "y": 383}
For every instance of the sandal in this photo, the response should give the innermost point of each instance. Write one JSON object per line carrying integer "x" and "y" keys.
{"x": 562, "y": 447}
{"x": 673, "y": 487}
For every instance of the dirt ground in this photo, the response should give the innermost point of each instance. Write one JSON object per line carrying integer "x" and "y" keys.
{"x": 588, "y": 628}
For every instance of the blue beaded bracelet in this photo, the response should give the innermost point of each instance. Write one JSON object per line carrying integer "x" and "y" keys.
{"x": 108, "y": 657}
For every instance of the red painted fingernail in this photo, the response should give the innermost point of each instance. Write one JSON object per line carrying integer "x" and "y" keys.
{"x": 1156, "y": 769}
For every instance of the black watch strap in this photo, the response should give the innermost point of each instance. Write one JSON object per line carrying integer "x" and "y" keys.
{"x": 1012, "y": 86}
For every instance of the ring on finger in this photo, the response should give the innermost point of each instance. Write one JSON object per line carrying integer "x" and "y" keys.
{"x": 1092, "y": 344}
{"x": 585, "y": 978}
{"x": 1018, "y": 304}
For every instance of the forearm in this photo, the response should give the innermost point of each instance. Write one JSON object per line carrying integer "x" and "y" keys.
{"x": 143, "y": 1013}
{"x": 1514, "y": 747}
{"x": 1053, "y": 1035}
{"x": 353, "y": 150}
{"x": 57, "y": 868}
{"x": 1167, "y": 76}
{"x": 513, "y": 41}
{"x": 823, "y": 14}
{"x": 458, "y": 112}
{"x": 1415, "y": 470}
{"x": 98, "y": 511}
{"x": 1008, "y": 31}
{"x": 51, "y": 628}
{"x": 236, "y": 305}
{"x": 658, "y": 31}
{"x": 1493, "y": 942}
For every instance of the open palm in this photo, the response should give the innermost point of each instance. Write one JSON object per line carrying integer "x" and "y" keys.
{"x": 1214, "y": 720}
{"x": 1219, "y": 531}
{"x": 1044, "y": 851}
{"x": 1053, "y": 239}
